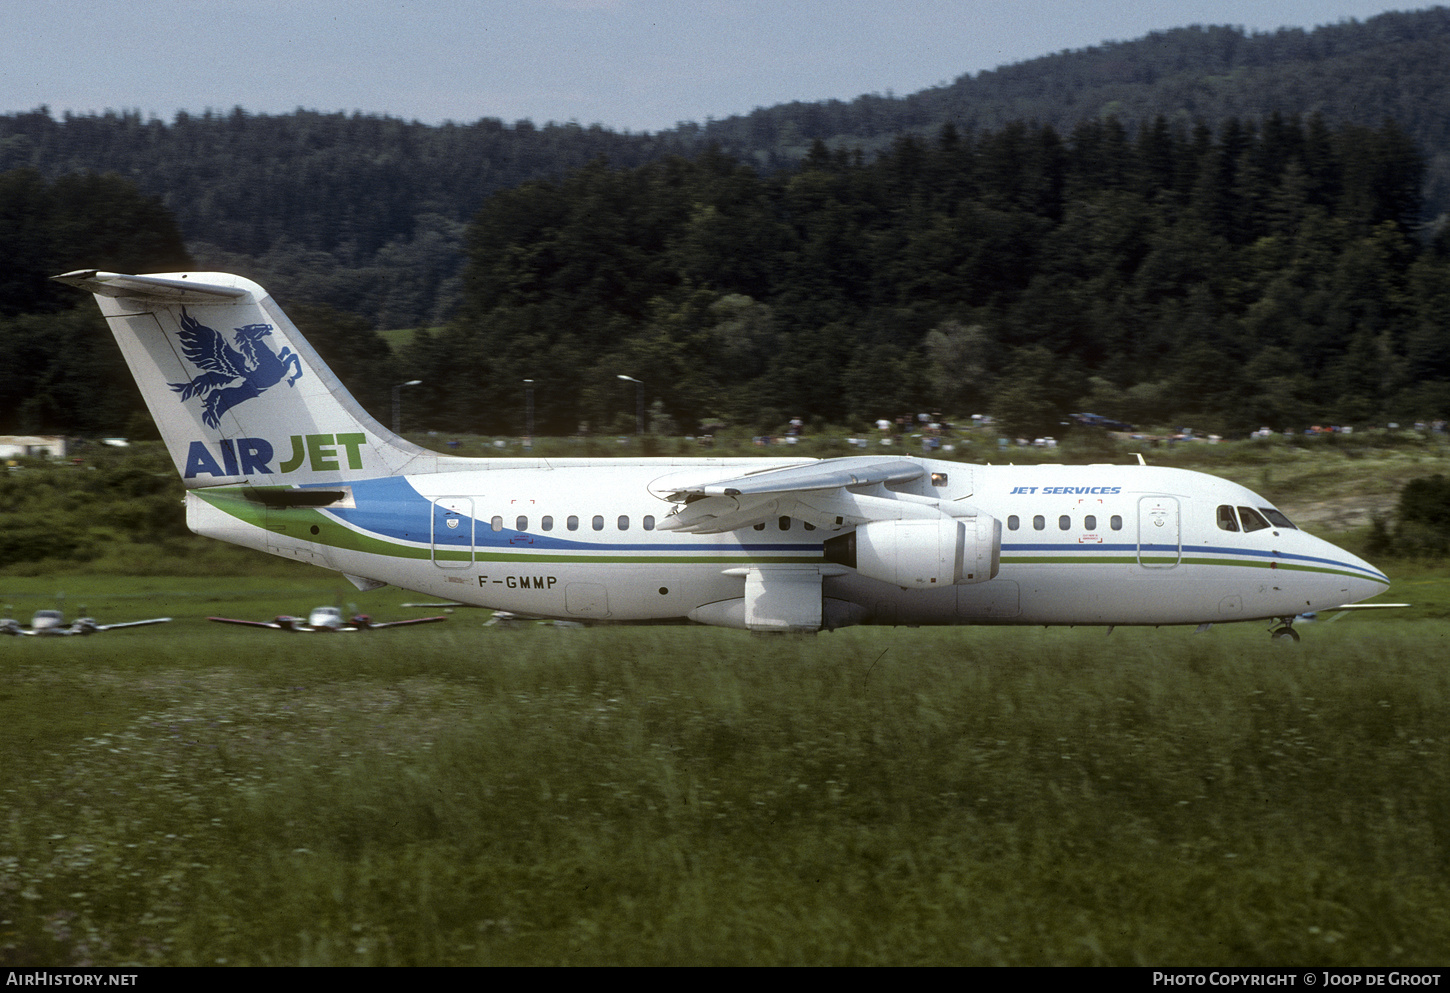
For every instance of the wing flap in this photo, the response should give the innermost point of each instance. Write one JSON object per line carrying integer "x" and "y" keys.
{"x": 829, "y": 474}
{"x": 718, "y": 514}
{"x": 831, "y": 494}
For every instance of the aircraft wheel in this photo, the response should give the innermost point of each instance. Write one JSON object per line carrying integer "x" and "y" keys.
{"x": 1285, "y": 635}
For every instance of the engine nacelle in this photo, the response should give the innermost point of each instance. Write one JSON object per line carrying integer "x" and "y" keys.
{"x": 922, "y": 554}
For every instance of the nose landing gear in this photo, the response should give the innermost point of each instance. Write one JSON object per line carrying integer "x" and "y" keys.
{"x": 1283, "y": 631}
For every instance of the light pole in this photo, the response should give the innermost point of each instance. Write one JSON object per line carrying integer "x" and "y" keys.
{"x": 638, "y": 404}
{"x": 529, "y": 415}
{"x": 398, "y": 404}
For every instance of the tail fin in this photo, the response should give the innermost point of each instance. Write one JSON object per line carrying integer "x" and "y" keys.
{"x": 238, "y": 393}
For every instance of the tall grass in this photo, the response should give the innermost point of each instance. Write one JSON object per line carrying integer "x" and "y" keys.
{"x": 668, "y": 796}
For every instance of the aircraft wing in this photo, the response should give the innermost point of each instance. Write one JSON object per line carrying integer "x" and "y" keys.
{"x": 828, "y": 474}
{"x": 414, "y": 620}
{"x": 133, "y": 624}
{"x": 825, "y": 494}
{"x": 508, "y": 619}
{"x": 1344, "y": 608}
{"x": 275, "y": 626}
{"x": 1369, "y": 606}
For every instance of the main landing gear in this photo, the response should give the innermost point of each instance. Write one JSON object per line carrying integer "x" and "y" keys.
{"x": 1283, "y": 631}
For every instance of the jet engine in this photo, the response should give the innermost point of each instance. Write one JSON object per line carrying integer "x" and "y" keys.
{"x": 922, "y": 554}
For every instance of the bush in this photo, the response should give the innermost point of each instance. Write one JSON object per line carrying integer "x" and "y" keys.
{"x": 1422, "y": 521}
{"x": 33, "y": 537}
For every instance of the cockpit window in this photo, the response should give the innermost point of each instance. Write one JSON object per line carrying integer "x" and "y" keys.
{"x": 1277, "y": 519}
{"x": 1253, "y": 520}
{"x": 1226, "y": 519}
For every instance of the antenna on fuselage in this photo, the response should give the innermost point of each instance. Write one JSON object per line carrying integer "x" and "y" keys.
{"x": 1141, "y": 460}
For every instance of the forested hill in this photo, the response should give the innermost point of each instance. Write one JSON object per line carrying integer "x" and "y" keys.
{"x": 1390, "y": 66}
{"x": 1258, "y": 275}
{"x": 367, "y": 213}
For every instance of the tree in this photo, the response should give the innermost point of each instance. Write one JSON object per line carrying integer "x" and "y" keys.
{"x": 960, "y": 359}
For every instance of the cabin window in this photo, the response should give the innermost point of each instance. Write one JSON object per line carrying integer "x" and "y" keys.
{"x": 1064, "y": 523}
{"x": 938, "y": 479}
{"x": 598, "y": 522}
{"x": 1039, "y": 522}
{"x": 546, "y": 523}
{"x": 624, "y": 522}
{"x": 496, "y": 523}
{"x": 1116, "y": 522}
{"x": 1090, "y": 523}
{"x": 760, "y": 526}
{"x": 522, "y": 524}
{"x": 810, "y": 526}
{"x": 649, "y": 522}
{"x": 1226, "y": 519}
{"x": 1014, "y": 522}
{"x": 784, "y": 523}
{"x": 1253, "y": 520}
{"x": 573, "y": 523}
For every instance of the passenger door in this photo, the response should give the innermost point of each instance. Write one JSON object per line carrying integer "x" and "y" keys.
{"x": 1160, "y": 535}
{"x": 453, "y": 532}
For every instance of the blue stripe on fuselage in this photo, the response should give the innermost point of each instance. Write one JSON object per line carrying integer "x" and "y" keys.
{"x": 1097, "y": 549}
{"x": 391, "y": 508}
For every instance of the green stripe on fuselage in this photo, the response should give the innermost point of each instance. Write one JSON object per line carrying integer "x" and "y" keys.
{"x": 298, "y": 522}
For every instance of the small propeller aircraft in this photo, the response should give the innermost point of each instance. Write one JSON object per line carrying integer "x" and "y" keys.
{"x": 276, "y": 455}
{"x": 325, "y": 619}
{"x": 51, "y": 623}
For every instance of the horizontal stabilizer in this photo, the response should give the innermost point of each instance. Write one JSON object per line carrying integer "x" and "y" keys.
{"x": 115, "y": 284}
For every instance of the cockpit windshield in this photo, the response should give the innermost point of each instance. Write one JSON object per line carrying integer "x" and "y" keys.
{"x": 1253, "y": 520}
{"x": 1277, "y": 519}
{"x": 1248, "y": 519}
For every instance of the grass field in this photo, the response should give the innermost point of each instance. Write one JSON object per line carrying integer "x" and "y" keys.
{"x": 193, "y": 794}
{"x": 460, "y": 794}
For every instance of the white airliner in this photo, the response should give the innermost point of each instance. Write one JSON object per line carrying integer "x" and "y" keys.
{"x": 278, "y": 456}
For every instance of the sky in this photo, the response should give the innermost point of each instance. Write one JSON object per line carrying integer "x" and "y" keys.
{"x": 637, "y": 65}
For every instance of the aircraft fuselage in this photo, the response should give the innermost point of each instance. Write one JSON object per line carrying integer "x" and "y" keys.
{"x": 1099, "y": 544}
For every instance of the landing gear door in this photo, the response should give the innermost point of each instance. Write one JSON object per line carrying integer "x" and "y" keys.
{"x": 453, "y": 532}
{"x": 1160, "y": 536}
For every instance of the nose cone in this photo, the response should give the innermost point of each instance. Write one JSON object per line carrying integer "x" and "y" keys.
{"x": 1352, "y": 579}
{"x": 1364, "y": 587}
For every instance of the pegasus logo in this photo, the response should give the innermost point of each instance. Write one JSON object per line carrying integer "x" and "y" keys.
{"x": 259, "y": 368}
